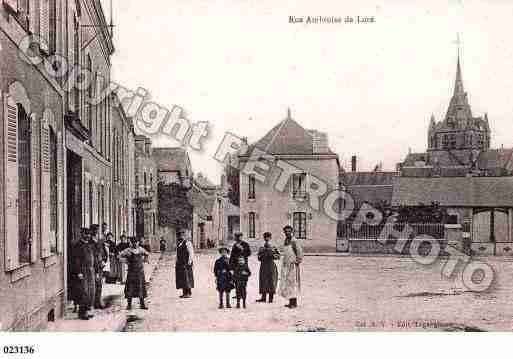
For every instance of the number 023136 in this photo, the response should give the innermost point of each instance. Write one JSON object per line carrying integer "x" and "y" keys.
{"x": 18, "y": 349}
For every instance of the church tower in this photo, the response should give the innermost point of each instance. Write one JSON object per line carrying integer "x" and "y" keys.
{"x": 459, "y": 130}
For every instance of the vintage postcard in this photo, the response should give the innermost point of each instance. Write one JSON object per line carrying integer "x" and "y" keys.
{"x": 255, "y": 166}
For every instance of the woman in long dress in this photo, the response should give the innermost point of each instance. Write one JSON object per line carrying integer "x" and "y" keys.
{"x": 290, "y": 279}
{"x": 135, "y": 286}
{"x": 268, "y": 274}
{"x": 113, "y": 273}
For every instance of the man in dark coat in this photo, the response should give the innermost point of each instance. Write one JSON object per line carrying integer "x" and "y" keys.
{"x": 239, "y": 249}
{"x": 183, "y": 266}
{"x": 83, "y": 275}
{"x": 100, "y": 258}
{"x": 268, "y": 275}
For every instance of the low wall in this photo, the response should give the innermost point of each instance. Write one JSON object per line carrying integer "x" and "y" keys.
{"x": 392, "y": 246}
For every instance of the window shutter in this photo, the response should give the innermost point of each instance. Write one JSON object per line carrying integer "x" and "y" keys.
{"x": 45, "y": 189}
{"x": 44, "y": 24}
{"x": 86, "y": 203}
{"x": 11, "y": 183}
{"x": 35, "y": 139}
{"x": 11, "y": 4}
{"x": 60, "y": 197}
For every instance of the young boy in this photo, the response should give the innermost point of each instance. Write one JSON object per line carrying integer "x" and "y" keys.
{"x": 241, "y": 275}
{"x": 223, "y": 277}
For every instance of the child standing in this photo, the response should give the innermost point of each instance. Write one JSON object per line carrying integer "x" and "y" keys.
{"x": 224, "y": 283}
{"x": 241, "y": 275}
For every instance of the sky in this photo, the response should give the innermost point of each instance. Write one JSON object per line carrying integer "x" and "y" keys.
{"x": 239, "y": 64}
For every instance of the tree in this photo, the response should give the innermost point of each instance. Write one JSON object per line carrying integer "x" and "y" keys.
{"x": 175, "y": 208}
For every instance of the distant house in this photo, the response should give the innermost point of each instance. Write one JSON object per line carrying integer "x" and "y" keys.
{"x": 484, "y": 205}
{"x": 368, "y": 187}
{"x": 266, "y": 207}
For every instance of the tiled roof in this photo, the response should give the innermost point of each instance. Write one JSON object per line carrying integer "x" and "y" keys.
{"x": 454, "y": 191}
{"x": 287, "y": 137}
{"x": 370, "y": 194}
{"x": 367, "y": 178}
{"x": 170, "y": 158}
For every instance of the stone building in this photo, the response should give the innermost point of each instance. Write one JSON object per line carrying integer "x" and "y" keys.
{"x": 459, "y": 144}
{"x": 204, "y": 197}
{"x": 146, "y": 200}
{"x": 461, "y": 173}
{"x": 266, "y": 207}
{"x": 123, "y": 171}
{"x": 54, "y": 144}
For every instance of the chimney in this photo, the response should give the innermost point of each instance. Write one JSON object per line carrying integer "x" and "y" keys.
{"x": 320, "y": 142}
{"x": 353, "y": 163}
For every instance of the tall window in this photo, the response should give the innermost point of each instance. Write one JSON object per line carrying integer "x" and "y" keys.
{"x": 145, "y": 184}
{"x": 90, "y": 202}
{"x": 76, "y": 55}
{"x": 251, "y": 225}
{"x": 53, "y": 26}
{"x": 53, "y": 190}
{"x": 25, "y": 186}
{"x": 300, "y": 225}
{"x": 299, "y": 185}
{"x": 90, "y": 95}
{"x": 154, "y": 224}
{"x": 251, "y": 189}
{"x": 445, "y": 142}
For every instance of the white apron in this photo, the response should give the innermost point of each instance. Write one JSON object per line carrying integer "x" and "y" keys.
{"x": 290, "y": 284}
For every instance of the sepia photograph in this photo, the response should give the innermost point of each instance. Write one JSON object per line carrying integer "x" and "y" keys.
{"x": 214, "y": 166}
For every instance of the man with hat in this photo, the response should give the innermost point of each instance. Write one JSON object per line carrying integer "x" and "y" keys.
{"x": 290, "y": 279}
{"x": 239, "y": 249}
{"x": 183, "y": 266}
{"x": 268, "y": 275}
{"x": 82, "y": 274}
{"x": 224, "y": 280}
{"x": 100, "y": 258}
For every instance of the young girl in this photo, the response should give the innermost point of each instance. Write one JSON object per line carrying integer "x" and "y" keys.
{"x": 240, "y": 276}
{"x": 223, "y": 277}
{"x": 135, "y": 286}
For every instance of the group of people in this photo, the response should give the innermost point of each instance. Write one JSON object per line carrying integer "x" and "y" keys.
{"x": 231, "y": 269}
{"x": 95, "y": 256}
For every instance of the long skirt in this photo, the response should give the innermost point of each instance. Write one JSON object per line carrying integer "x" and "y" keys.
{"x": 115, "y": 268}
{"x": 184, "y": 277}
{"x": 268, "y": 277}
{"x": 135, "y": 286}
{"x": 83, "y": 290}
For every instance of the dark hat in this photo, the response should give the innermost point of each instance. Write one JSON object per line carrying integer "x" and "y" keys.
{"x": 84, "y": 230}
{"x": 288, "y": 226}
{"x": 223, "y": 248}
{"x": 237, "y": 234}
{"x": 180, "y": 231}
{"x": 267, "y": 235}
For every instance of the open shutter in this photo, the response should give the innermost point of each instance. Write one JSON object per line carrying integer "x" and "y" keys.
{"x": 45, "y": 189}
{"x": 60, "y": 194}
{"x": 11, "y": 183}
{"x": 44, "y": 24}
{"x": 11, "y": 4}
{"x": 35, "y": 140}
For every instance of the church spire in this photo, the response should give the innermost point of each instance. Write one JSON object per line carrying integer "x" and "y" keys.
{"x": 458, "y": 84}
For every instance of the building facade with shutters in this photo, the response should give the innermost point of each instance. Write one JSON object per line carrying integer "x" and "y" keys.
{"x": 264, "y": 207}
{"x": 123, "y": 171}
{"x": 145, "y": 201}
{"x": 55, "y": 170}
